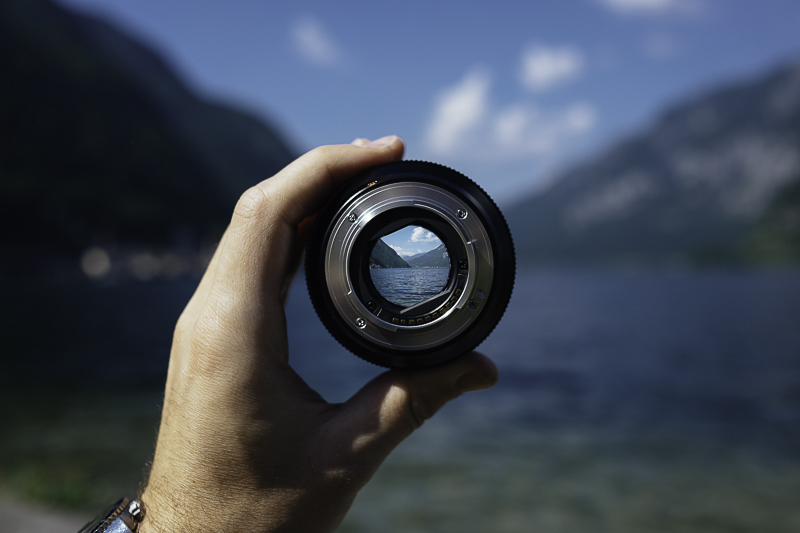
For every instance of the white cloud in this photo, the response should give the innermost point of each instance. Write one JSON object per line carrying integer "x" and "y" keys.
{"x": 545, "y": 67}
{"x": 403, "y": 252}
{"x": 422, "y": 235}
{"x": 314, "y": 44}
{"x": 520, "y": 130}
{"x": 465, "y": 124}
{"x": 510, "y": 124}
{"x": 580, "y": 118}
{"x": 458, "y": 110}
{"x": 652, "y": 7}
{"x": 661, "y": 46}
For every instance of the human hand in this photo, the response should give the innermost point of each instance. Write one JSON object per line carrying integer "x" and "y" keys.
{"x": 244, "y": 443}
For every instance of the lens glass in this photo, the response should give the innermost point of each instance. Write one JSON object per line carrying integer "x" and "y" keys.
{"x": 409, "y": 266}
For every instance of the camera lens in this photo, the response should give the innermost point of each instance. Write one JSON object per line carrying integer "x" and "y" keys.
{"x": 410, "y": 265}
{"x": 406, "y": 278}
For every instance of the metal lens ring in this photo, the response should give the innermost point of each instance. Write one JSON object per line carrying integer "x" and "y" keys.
{"x": 386, "y": 199}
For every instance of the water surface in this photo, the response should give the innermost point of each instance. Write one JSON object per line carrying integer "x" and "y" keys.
{"x": 641, "y": 402}
{"x": 408, "y": 286}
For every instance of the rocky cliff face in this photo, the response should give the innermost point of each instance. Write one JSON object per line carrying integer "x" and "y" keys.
{"x": 706, "y": 183}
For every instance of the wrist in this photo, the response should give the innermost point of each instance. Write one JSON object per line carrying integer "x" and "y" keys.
{"x": 171, "y": 512}
{"x": 172, "y": 509}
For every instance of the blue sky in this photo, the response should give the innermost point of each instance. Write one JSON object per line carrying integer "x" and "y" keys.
{"x": 412, "y": 240}
{"x": 505, "y": 92}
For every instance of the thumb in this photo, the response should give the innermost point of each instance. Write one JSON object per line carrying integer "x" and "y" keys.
{"x": 389, "y": 408}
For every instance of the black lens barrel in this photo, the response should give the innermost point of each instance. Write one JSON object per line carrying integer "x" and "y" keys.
{"x": 382, "y": 200}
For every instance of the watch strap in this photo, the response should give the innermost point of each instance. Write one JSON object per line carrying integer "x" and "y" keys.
{"x": 120, "y": 517}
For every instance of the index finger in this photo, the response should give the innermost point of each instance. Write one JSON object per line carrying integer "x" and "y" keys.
{"x": 297, "y": 191}
{"x": 258, "y": 242}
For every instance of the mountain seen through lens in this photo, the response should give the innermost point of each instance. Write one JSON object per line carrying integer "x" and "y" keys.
{"x": 409, "y": 266}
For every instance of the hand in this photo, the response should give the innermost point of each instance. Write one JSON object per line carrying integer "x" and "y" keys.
{"x": 244, "y": 443}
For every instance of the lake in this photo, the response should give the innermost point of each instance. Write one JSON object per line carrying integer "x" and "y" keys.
{"x": 627, "y": 402}
{"x": 408, "y": 286}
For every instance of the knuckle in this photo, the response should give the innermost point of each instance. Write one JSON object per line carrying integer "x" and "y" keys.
{"x": 409, "y": 405}
{"x": 419, "y": 411}
{"x": 251, "y": 204}
{"x": 322, "y": 153}
{"x": 324, "y": 159}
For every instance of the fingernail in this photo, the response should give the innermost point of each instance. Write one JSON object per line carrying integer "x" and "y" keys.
{"x": 384, "y": 141}
{"x": 377, "y": 143}
{"x": 475, "y": 381}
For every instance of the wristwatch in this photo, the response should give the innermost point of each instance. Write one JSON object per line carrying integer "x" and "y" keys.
{"x": 119, "y": 517}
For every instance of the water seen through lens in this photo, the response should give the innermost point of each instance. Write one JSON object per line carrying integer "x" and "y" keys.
{"x": 408, "y": 286}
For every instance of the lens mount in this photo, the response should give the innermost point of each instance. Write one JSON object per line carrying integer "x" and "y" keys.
{"x": 385, "y": 199}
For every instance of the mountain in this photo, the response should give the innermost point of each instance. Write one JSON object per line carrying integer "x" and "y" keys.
{"x": 436, "y": 258}
{"x": 714, "y": 180}
{"x": 776, "y": 237}
{"x": 382, "y": 256}
{"x": 101, "y": 143}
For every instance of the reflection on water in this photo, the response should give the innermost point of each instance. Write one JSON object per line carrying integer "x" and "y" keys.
{"x": 408, "y": 286}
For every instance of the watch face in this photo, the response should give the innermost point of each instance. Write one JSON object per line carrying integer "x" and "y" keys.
{"x": 103, "y": 520}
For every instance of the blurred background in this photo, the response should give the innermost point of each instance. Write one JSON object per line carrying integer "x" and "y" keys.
{"x": 646, "y": 154}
